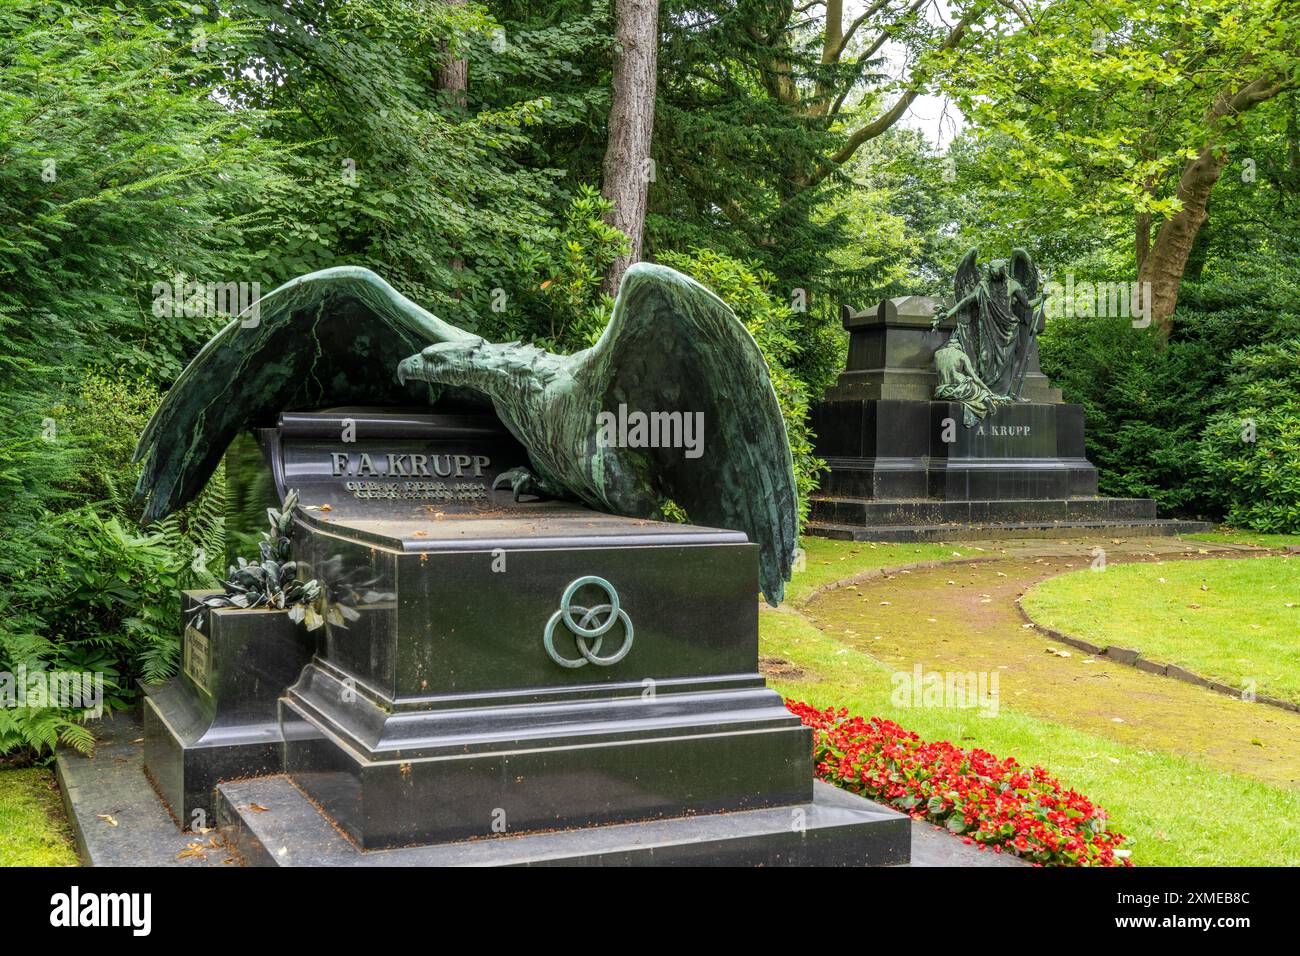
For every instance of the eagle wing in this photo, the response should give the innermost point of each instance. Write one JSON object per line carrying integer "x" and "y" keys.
{"x": 330, "y": 337}
{"x": 673, "y": 346}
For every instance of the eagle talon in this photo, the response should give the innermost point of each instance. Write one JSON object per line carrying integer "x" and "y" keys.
{"x": 521, "y": 482}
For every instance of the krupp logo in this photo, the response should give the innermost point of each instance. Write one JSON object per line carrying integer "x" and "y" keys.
{"x": 586, "y": 637}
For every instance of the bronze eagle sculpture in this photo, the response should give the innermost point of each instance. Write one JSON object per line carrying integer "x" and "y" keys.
{"x": 344, "y": 335}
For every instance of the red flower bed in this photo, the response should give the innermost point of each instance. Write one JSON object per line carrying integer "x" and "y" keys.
{"x": 989, "y": 802}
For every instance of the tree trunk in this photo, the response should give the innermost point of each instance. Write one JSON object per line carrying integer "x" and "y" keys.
{"x": 453, "y": 79}
{"x": 1142, "y": 238}
{"x": 628, "y": 168}
{"x": 1163, "y": 266}
{"x": 1165, "y": 263}
{"x": 453, "y": 75}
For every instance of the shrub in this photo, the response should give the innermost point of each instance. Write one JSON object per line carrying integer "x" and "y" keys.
{"x": 79, "y": 592}
{"x": 1146, "y": 407}
{"x": 1250, "y": 449}
{"x": 102, "y": 420}
{"x": 105, "y": 603}
{"x": 567, "y": 309}
{"x": 988, "y": 802}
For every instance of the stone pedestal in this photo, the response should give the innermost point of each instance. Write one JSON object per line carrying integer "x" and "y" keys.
{"x": 891, "y": 347}
{"x": 217, "y": 719}
{"x": 903, "y": 467}
{"x": 912, "y": 449}
{"x": 444, "y": 715}
{"x": 492, "y": 672}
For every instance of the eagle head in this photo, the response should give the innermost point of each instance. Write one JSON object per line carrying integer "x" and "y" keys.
{"x": 447, "y": 363}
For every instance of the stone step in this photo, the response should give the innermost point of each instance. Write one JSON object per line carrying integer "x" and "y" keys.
{"x": 114, "y": 811}
{"x": 270, "y": 822}
{"x": 1002, "y": 529}
{"x": 837, "y": 509}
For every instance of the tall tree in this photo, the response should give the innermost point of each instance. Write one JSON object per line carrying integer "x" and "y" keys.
{"x": 1161, "y": 269}
{"x": 453, "y": 71}
{"x": 628, "y": 166}
{"x": 1125, "y": 108}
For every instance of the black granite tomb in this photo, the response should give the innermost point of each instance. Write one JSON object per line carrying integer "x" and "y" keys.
{"x": 491, "y": 669}
{"x": 903, "y": 467}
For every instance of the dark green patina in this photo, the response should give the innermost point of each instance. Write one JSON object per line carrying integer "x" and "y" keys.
{"x": 997, "y": 315}
{"x": 345, "y": 336}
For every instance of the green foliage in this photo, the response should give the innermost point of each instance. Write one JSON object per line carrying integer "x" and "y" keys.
{"x": 1147, "y": 408}
{"x": 121, "y": 169}
{"x": 1090, "y": 113}
{"x": 568, "y": 310}
{"x": 448, "y": 198}
{"x": 746, "y": 289}
{"x": 272, "y": 583}
{"x": 1250, "y": 449}
{"x": 102, "y": 420}
{"x": 104, "y": 603}
{"x": 80, "y": 592}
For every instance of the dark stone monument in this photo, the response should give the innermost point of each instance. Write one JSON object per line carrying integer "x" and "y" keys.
{"x": 471, "y": 635}
{"x": 451, "y": 694}
{"x": 905, "y": 466}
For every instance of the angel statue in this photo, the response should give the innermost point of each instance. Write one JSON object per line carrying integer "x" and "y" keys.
{"x": 984, "y": 361}
{"x": 345, "y": 336}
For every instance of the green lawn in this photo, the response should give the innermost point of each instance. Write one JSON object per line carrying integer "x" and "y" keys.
{"x": 1258, "y": 538}
{"x": 1227, "y": 620}
{"x": 1230, "y": 820}
{"x": 32, "y": 827}
{"x": 826, "y": 562}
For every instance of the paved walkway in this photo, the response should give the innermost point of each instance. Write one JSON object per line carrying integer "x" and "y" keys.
{"x": 963, "y": 617}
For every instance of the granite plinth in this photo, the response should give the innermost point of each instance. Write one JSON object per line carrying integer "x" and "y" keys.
{"x": 438, "y": 714}
{"x": 912, "y": 449}
{"x": 217, "y": 719}
{"x": 891, "y": 352}
{"x": 829, "y": 828}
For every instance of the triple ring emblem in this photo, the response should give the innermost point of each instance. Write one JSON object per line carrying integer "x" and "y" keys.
{"x": 587, "y": 626}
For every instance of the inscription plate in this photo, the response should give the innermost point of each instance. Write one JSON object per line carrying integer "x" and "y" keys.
{"x": 355, "y": 463}
{"x": 197, "y": 659}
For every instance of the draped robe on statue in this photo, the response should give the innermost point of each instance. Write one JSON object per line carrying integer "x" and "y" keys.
{"x": 997, "y": 331}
